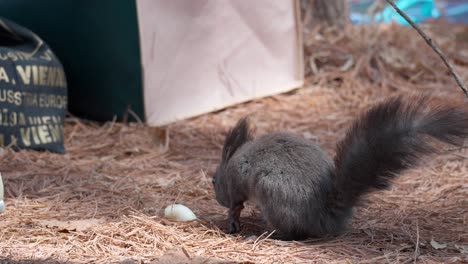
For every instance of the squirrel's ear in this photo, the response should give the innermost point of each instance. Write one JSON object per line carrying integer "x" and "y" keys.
{"x": 236, "y": 137}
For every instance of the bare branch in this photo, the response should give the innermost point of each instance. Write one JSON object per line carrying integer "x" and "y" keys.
{"x": 432, "y": 45}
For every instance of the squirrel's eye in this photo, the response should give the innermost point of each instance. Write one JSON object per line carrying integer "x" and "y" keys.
{"x": 213, "y": 180}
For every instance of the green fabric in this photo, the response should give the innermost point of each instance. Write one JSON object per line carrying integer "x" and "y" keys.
{"x": 98, "y": 44}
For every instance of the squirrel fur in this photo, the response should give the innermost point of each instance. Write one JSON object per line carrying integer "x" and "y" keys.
{"x": 303, "y": 193}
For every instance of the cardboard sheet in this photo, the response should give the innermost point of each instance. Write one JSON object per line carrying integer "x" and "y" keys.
{"x": 200, "y": 56}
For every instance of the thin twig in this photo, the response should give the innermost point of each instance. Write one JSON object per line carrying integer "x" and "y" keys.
{"x": 455, "y": 149}
{"x": 416, "y": 250}
{"x": 134, "y": 115}
{"x": 432, "y": 45}
{"x": 258, "y": 241}
{"x": 460, "y": 155}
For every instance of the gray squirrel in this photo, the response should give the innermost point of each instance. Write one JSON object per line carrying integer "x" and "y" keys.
{"x": 303, "y": 193}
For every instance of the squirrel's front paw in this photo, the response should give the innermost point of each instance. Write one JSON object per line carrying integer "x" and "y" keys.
{"x": 234, "y": 219}
{"x": 234, "y": 226}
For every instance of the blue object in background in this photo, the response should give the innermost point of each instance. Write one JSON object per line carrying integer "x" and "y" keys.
{"x": 454, "y": 10}
{"x": 417, "y": 10}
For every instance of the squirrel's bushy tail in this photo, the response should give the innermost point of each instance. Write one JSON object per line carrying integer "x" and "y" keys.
{"x": 390, "y": 138}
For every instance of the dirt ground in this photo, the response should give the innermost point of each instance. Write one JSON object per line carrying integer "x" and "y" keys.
{"x": 102, "y": 202}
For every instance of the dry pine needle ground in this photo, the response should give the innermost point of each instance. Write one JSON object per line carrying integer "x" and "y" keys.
{"x": 102, "y": 202}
